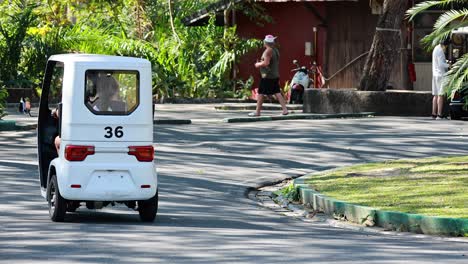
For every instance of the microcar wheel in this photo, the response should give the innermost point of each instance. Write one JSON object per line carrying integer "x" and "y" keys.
{"x": 57, "y": 204}
{"x": 148, "y": 209}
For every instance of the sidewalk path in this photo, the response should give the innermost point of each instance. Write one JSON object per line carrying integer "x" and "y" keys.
{"x": 197, "y": 113}
{"x": 203, "y": 113}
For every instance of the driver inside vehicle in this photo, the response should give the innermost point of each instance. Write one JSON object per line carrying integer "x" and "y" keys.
{"x": 107, "y": 97}
{"x": 56, "y": 114}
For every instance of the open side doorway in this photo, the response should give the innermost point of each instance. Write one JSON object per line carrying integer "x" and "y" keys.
{"x": 48, "y": 126}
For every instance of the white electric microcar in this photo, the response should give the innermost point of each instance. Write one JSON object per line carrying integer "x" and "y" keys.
{"x": 95, "y": 134}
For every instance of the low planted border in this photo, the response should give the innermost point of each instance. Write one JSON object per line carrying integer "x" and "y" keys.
{"x": 7, "y": 125}
{"x": 172, "y": 121}
{"x": 297, "y": 117}
{"x": 10, "y": 125}
{"x": 368, "y": 216}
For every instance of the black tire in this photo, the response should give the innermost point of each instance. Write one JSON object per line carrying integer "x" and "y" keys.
{"x": 454, "y": 115}
{"x": 148, "y": 208}
{"x": 72, "y": 206}
{"x": 292, "y": 98}
{"x": 57, "y": 204}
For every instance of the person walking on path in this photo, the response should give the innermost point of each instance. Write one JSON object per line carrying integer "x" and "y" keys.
{"x": 21, "y": 106}
{"x": 269, "y": 70}
{"x": 439, "y": 68}
{"x": 27, "y": 106}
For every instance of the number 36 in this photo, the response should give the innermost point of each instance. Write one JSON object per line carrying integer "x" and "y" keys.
{"x": 118, "y": 132}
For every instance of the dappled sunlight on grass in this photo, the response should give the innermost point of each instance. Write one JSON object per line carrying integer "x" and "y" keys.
{"x": 434, "y": 186}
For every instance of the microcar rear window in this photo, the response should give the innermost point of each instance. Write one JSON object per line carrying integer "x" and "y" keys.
{"x": 112, "y": 92}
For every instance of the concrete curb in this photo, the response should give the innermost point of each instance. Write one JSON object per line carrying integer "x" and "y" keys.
{"x": 172, "y": 121}
{"x": 253, "y": 107}
{"x": 367, "y": 216}
{"x": 296, "y": 117}
{"x": 7, "y": 125}
{"x": 12, "y": 125}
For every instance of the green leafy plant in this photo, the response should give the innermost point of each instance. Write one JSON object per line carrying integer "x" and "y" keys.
{"x": 244, "y": 88}
{"x": 291, "y": 192}
{"x": 15, "y": 19}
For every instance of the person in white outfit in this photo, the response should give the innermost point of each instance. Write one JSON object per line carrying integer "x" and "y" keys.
{"x": 439, "y": 68}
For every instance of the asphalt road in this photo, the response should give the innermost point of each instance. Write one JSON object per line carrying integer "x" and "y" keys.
{"x": 204, "y": 217}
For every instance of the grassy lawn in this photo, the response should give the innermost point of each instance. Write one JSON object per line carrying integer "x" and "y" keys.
{"x": 434, "y": 186}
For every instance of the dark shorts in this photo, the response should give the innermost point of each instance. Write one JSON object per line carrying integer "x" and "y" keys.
{"x": 269, "y": 86}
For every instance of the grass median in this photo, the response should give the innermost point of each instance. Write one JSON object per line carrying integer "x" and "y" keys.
{"x": 435, "y": 186}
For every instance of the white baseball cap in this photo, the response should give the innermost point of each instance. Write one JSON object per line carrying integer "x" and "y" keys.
{"x": 269, "y": 39}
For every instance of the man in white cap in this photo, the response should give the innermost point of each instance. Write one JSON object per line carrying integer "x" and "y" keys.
{"x": 269, "y": 69}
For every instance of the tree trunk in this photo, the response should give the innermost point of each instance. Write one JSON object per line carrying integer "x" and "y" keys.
{"x": 171, "y": 18}
{"x": 384, "y": 48}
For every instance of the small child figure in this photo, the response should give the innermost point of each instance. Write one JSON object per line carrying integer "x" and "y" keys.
{"x": 27, "y": 106}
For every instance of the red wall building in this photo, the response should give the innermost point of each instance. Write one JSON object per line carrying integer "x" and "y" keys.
{"x": 345, "y": 30}
{"x": 293, "y": 24}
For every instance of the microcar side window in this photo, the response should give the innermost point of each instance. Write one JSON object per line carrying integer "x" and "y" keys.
{"x": 56, "y": 85}
{"x": 111, "y": 92}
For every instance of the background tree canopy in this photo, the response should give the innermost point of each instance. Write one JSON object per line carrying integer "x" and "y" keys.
{"x": 187, "y": 61}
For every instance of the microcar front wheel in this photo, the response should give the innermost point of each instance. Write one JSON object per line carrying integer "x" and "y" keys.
{"x": 148, "y": 209}
{"x": 57, "y": 204}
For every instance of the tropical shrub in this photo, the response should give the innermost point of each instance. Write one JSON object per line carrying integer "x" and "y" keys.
{"x": 187, "y": 61}
{"x": 15, "y": 19}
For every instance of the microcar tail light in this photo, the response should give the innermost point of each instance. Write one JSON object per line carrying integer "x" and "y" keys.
{"x": 142, "y": 153}
{"x": 78, "y": 153}
{"x": 456, "y": 96}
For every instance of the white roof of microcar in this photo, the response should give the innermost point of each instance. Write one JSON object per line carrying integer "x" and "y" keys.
{"x": 95, "y": 58}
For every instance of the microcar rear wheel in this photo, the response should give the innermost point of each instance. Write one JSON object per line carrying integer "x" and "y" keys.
{"x": 148, "y": 209}
{"x": 57, "y": 204}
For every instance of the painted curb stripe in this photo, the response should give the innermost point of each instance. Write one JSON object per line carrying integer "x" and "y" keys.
{"x": 295, "y": 117}
{"x": 172, "y": 121}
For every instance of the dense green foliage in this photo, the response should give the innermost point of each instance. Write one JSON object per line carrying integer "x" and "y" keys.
{"x": 455, "y": 16}
{"x": 187, "y": 61}
{"x": 14, "y": 21}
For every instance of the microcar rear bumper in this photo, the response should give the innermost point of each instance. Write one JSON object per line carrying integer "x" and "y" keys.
{"x": 108, "y": 182}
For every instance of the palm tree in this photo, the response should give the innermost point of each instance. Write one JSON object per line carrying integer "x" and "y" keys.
{"x": 455, "y": 17}
{"x": 382, "y": 54}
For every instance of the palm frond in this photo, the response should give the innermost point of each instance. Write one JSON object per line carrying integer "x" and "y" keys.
{"x": 449, "y": 17}
{"x": 424, "y": 6}
{"x": 441, "y": 33}
{"x": 457, "y": 76}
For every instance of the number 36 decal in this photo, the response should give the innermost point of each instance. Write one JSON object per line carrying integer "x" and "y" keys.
{"x": 117, "y": 132}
